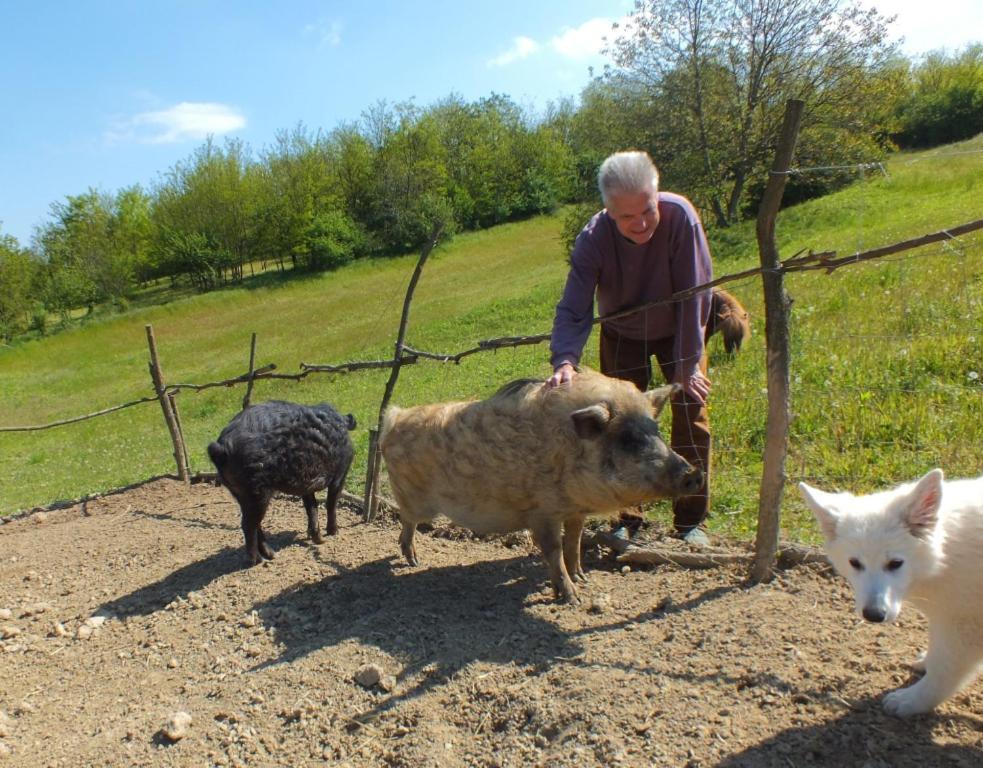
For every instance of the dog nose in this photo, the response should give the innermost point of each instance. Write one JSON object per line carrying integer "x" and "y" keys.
{"x": 874, "y": 614}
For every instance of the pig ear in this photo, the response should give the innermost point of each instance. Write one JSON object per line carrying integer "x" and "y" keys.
{"x": 821, "y": 506}
{"x": 921, "y": 508}
{"x": 590, "y": 422}
{"x": 660, "y": 395}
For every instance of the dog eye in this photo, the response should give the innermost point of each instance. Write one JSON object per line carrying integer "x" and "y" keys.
{"x": 893, "y": 565}
{"x": 856, "y": 564}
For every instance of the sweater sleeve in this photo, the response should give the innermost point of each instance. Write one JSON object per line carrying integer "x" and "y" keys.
{"x": 575, "y": 311}
{"x": 690, "y": 266}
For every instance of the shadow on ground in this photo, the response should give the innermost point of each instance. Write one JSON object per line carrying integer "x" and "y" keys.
{"x": 864, "y": 737}
{"x": 191, "y": 578}
{"x": 437, "y": 621}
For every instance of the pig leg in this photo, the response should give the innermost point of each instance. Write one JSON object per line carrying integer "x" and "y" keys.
{"x": 548, "y": 536}
{"x": 406, "y": 542}
{"x": 334, "y": 491}
{"x": 264, "y": 548}
{"x": 253, "y": 511}
{"x": 573, "y": 528}
{"x": 331, "y": 504}
{"x": 310, "y": 506}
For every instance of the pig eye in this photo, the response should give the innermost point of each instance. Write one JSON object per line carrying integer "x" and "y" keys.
{"x": 856, "y": 564}
{"x": 633, "y": 441}
{"x": 893, "y": 565}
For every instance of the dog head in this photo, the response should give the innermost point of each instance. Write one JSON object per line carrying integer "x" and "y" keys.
{"x": 881, "y": 543}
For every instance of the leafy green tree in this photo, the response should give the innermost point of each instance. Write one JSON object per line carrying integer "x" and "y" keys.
{"x": 572, "y": 224}
{"x": 615, "y": 113}
{"x": 131, "y": 232}
{"x": 91, "y": 250}
{"x": 312, "y": 188}
{"x": 719, "y": 73}
{"x": 78, "y": 256}
{"x": 500, "y": 163}
{"x": 945, "y": 101}
{"x": 548, "y": 170}
{"x": 214, "y": 196}
{"x": 66, "y": 288}
{"x": 477, "y": 139}
{"x": 410, "y": 181}
{"x": 192, "y": 255}
{"x": 17, "y": 276}
{"x": 352, "y": 158}
{"x": 331, "y": 240}
{"x": 296, "y": 184}
{"x": 459, "y": 127}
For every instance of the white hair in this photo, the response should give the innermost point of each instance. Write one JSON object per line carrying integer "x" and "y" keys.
{"x": 627, "y": 172}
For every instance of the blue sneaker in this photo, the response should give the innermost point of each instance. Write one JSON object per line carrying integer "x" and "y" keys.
{"x": 696, "y": 537}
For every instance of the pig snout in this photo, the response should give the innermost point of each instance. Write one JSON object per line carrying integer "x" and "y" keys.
{"x": 692, "y": 481}
{"x": 686, "y": 478}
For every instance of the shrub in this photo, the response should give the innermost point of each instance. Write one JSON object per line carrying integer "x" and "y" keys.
{"x": 932, "y": 119}
{"x": 331, "y": 240}
{"x": 574, "y": 219}
{"x": 39, "y": 319}
{"x": 946, "y": 101}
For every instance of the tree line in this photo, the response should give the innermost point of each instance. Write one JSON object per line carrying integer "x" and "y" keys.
{"x": 700, "y": 84}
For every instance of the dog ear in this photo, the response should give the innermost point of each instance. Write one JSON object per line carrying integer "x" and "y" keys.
{"x": 921, "y": 510}
{"x": 825, "y": 514}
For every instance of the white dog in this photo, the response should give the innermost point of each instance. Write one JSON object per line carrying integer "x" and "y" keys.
{"x": 921, "y": 542}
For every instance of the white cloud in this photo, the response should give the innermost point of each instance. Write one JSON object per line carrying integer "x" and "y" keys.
{"x": 584, "y": 41}
{"x": 578, "y": 43}
{"x": 327, "y": 32}
{"x": 187, "y": 121}
{"x": 521, "y": 48}
{"x": 950, "y": 24}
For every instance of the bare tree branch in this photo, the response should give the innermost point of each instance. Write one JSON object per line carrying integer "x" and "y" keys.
{"x": 259, "y": 373}
{"x": 75, "y": 419}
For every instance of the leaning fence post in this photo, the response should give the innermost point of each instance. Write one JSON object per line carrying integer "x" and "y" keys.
{"x": 161, "y": 390}
{"x": 172, "y": 400}
{"x": 252, "y": 373}
{"x": 776, "y": 334}
{"x": 372, "y": 470}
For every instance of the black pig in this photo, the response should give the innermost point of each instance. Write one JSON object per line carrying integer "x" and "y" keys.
{"x": 287, "y": 447}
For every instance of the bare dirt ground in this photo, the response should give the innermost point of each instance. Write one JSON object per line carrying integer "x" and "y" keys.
{"x": 117, "y": 614}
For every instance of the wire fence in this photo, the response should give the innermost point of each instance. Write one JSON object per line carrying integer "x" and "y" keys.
{"x": 804, "y": 386}
{"x": 728, "y": 453}
{"x": 828, "y": 261}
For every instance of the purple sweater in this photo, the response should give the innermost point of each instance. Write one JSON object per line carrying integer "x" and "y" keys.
{"x": 625, "y": 275}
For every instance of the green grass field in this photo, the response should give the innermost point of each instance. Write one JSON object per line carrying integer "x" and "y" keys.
{"x": 887, "y": 377}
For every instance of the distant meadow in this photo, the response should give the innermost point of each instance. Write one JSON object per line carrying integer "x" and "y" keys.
{"x": 887, "y": 367}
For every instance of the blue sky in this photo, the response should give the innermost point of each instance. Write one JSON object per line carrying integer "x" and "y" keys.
{"x": 105, "y": 94}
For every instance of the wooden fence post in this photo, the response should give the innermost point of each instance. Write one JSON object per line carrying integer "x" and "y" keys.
{"x": 371, "y": 473}
{"x": 372, "y": 470}
{"x": 161, "y": 390}
{"x": 776, "y": 334}
{"x": 172, "y": 400}
{"x": 252, "y": 373}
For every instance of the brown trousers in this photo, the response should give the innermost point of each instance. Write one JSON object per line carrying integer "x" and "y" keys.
{"x": 631, "y": 360}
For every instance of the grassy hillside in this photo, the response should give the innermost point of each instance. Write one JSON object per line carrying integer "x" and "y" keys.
{"x": 886, "y": 370}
